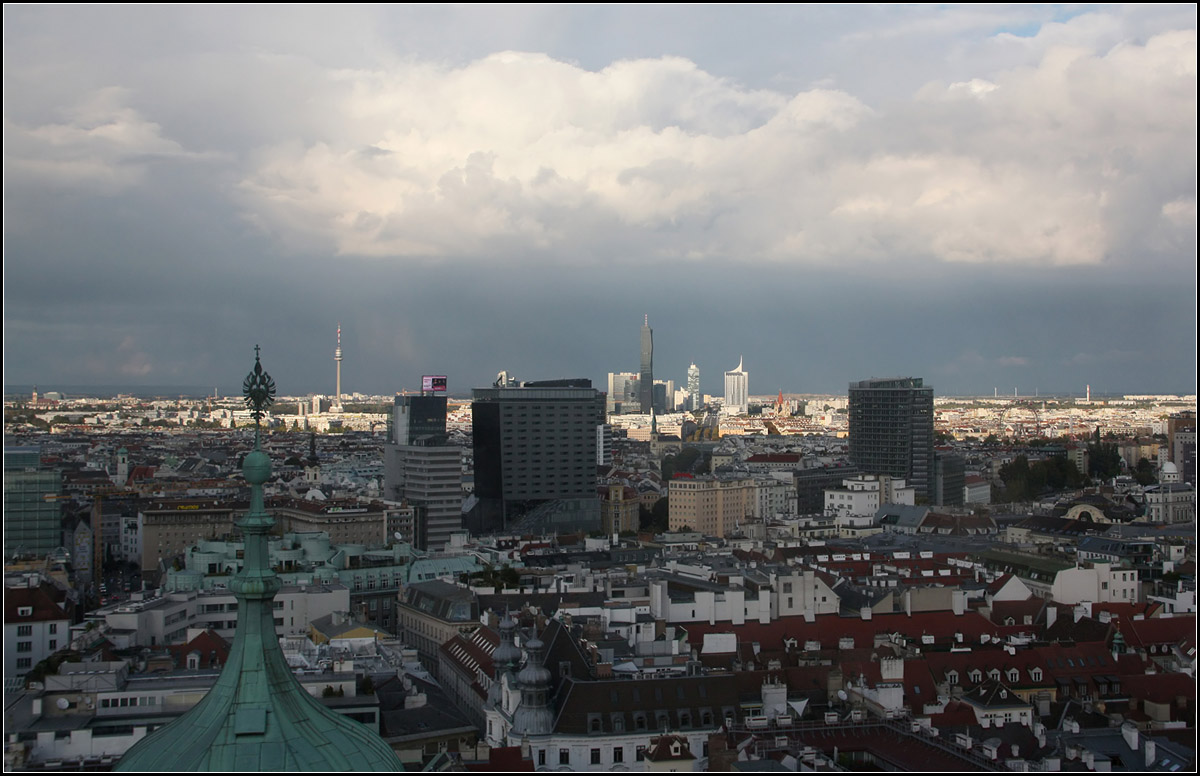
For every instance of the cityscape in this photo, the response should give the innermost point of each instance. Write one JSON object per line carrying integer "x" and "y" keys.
{"x": 455, "y": 390}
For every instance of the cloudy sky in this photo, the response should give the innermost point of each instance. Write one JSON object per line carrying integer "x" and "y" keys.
{"x": 990, "y": 198}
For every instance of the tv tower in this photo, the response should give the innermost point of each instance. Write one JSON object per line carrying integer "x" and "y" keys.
{"x": 337, "y": 356}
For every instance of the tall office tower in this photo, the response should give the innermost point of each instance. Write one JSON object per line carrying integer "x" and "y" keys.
{"x": 415, "y": 417}
{"x": 737, "y": 391}
{"x": 622, "y": 393}
{"x": 422, "y": 470}
{"x": 32, "y": 511}
{"x": 337, "y": 357}
{"x": 891, "y": 430}
{"x": 535, "y": 456}
{"x": 646, "y": 376}
{"x": 693, "y": 387}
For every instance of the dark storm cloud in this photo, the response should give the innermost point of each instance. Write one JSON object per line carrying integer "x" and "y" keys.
{"x": 984, "y": 198}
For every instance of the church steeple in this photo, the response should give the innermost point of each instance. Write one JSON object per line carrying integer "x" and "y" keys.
{"x": 257, "y": 717}
{"x": 534, "y": 716}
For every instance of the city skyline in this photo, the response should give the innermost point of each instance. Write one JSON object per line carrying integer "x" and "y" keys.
{"x": 988, "y": 197}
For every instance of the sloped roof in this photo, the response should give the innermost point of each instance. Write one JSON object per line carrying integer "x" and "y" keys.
{"x": 211, "y": 648}
{"x": 830, "y": 628}
{"x": 669, "y": 748}
{"x": 994, "y": 696}
{"x": 346, "y": 628}
{"x": 617, "y": 704}
{"x": 1158, "y": 630}
{"x": 37, "y": 599}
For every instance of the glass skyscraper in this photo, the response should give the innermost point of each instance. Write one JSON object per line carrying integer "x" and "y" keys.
{"x": 891, "y": 430}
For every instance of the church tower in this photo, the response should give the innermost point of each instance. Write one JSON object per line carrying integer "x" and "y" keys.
{"x": 534, "y": 716}
{"x": 257, "y": 717}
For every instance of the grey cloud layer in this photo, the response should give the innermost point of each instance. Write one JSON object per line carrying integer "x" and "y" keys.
{"x": 177, "y": 161}
{"x": 1067, "y": 162}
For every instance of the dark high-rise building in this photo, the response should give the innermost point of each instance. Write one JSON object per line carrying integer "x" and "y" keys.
{"x": 949, "y": 478}
{"x": 414, "y": 417}
{"x": 891, "y": 430}
{"x": 646, "y": 376}
{"x": 423, "y": 471}
{"x": 535, "y": 451}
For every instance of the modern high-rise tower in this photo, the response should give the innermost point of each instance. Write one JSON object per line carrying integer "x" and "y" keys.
{"x": 535, "y": 455}
{"x": 423, "y": 470}
{"x": 646, "y": 376}
{"x": 32, "y": 511}
{"x": 737, "y": 391}
{"x": 891, "y": 430}
{"x": 337, "y": 357}
{"x": 693, "y": 387}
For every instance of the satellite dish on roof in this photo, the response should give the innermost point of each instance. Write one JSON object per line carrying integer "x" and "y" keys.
{"x": 842, "y": 695}
{"x": 63, "y": 704}
{"x": 399, "y": 536}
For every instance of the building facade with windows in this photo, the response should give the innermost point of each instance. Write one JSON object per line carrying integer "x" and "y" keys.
{"x": 711, "y": 505}
{"x": 891, "y": 430}
{"x": 35, "y": 626}
{"x": 32, "y": 515}
{"x": 737, "y": 391}
{"x": 535, "y": 444}
{"x": 423, "y": 471}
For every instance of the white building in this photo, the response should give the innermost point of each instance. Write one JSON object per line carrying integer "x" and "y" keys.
{"x": 131, "y": 538}
{"x": 160, "y": 620}
{"x": 1100, "y": 583}
{"x": 737, "y": 391}
{"x": 855, "y": 505}
{"x": 1173, "y": 502}
{"x": 604, "y": 444}
{"x": 776, "y": 497}
{"x": 35, "y": 626}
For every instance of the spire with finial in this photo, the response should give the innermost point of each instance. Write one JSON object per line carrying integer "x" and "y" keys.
{"x": 257, "y": 716}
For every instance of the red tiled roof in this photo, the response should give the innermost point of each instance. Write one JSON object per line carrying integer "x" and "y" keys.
{"x": 1018, "y": 610}
{"x": 214, "y": 650}
{"x": 956, "y": 714}
{"x": 501, "y": 759}
{"x": 660, "y": 749}
{"x": 830, "y": 628}
{"x": 1159, "y": 630}
{"x": 1159, "y": 688}
{"x": 38, "y": 599}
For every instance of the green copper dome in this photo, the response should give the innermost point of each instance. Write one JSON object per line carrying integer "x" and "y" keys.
{"x": 257, "y": 717}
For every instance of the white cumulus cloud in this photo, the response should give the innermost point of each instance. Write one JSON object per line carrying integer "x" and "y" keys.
{"x": 518, "y": 153}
